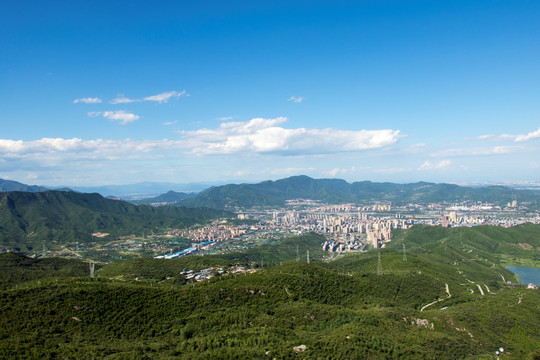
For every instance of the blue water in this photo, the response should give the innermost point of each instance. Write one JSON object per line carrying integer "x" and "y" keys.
{"x": 527, "y": 275}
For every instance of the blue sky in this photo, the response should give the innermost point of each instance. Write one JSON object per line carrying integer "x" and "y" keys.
{"x": 102, "y": 92}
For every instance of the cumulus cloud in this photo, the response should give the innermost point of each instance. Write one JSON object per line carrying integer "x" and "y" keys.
{"x": 257, "y": 136}
{"x": 165, "y": 96}
{"x": 507, "y": 137}
{"x": 427, "y": 165}
{"x": 87, "y": 148}
{"x": 120, "y": 115}
{"x": 529, "y": 136}
{"x": 296, "y": 99}
{"x": 261, "y": 135}
{"x": 88, "y": 100}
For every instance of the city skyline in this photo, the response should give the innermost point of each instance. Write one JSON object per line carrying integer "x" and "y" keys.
{"x": 124, "y": 92}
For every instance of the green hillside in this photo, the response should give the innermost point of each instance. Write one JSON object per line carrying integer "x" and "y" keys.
{"x": 421, "y": 308}
{"x": 274, "y": 193}
{"x": 496, "y": 246}
{"x": 287, "y": 249}
{"x": 17, "y": 269}
{"x": 263, "y": 255}
{"x": 27, "y": 220}
{"x": 268, "y": 313}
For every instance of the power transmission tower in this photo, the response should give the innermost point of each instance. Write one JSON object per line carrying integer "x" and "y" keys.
{"x": 379, "y": 265}
{"x": 308, "y": 256}
{"x": 297, "y": 254}
{"x": 92, "y": 267}
{"x": 404, "y": 253}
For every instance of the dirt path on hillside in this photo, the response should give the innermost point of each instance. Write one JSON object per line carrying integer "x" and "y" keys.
{"x": 439, "y": 300}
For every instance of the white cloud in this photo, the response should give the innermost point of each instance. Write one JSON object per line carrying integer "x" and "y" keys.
{"x": 443, "y": 164}
{"x": 160, "y": 98}
{"x": 168, "y": 123}
{"x": 494, "y": 150}
{"x": 88, "y": 100}
{"x": 529, "y": 136}
{"x": 122, "y": 100}
{"x": 62, "y": 158}
{"x": 427, "y": 165}
{"x": 507, "y": 137}
{"x": 336, "y": 171}
{"x": 265, "y": 136}
{"x": 120, "y": 115}
{"x": 503, "y": 137}
{"x": 296, "y": 99}
{"x": 97, "y": 148}
{"x": 224, "y": 118}
{"x": 165, "y": 96}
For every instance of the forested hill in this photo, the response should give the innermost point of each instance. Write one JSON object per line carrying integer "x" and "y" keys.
{"x": 434, "y": 305}
{"x": 28, "y": 219}
{"x": 274, "y": 193}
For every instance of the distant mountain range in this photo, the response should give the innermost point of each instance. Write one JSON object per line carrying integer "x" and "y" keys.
{"x": 275, "y": 193}
{"x": 27, "y": 219}
{"x": 142, "y": 190}
{"x": 10, "y": 185}
{"x": 169, "y": 198}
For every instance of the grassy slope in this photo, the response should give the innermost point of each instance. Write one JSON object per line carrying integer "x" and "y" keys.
{"x": 17, "y": 269}
{"x": 340, "y": 309}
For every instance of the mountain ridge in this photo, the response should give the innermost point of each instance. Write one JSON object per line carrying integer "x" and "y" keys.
{"x": 27, "y": 219}
{"x": 275, "y": 193}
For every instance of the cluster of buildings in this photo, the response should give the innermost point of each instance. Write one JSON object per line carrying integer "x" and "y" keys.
{"x": 336, "y": 246}
{"x": 215, "y": 233}
{"x": 343, "y": 228}
{"x": 208, "y": 273}
{"x": 348, "y": 227}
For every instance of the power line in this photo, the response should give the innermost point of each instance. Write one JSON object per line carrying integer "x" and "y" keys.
{"x": 379, "y": 265}
{"x": 404, "y": 253}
